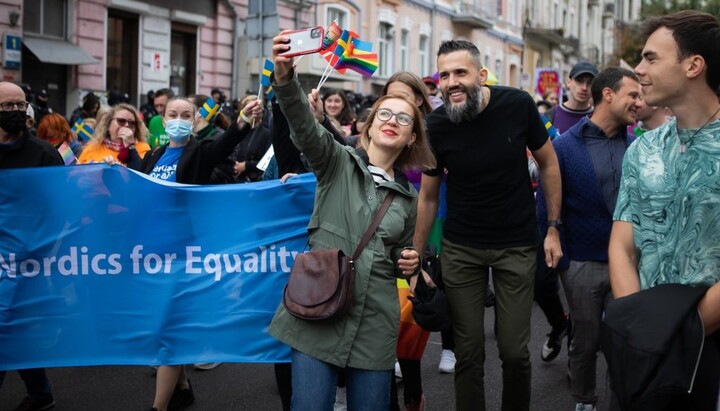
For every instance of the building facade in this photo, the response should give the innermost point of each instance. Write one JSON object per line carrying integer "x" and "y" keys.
{"x": 70, "y": 47}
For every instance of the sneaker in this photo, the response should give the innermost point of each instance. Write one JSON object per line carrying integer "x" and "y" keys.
{"x": 181, "y": 398}
{"x": 398, "y": 371}
{"x": 447, "y": 362}
{"x": 206, "y": 366}
{"x": 36, "y": 404}
{"x": 553, "y": 345}
{"x": 581, "y": 406}
{"x": 417, "y": 405}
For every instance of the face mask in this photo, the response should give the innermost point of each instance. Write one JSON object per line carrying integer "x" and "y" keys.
{"x": 13, "y": 121}
{"x": 178, "y": 130}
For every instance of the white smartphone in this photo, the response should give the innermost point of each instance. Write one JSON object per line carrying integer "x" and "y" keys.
{"x": 304, "y": 41}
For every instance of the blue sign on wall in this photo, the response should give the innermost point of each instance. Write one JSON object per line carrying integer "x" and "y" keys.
{"x": 12, "y": 51}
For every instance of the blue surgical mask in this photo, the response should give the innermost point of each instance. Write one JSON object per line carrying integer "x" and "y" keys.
{"x": 178, "y": 130}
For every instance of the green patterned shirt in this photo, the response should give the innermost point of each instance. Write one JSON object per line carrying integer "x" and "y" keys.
{"x": 673, "y": 201}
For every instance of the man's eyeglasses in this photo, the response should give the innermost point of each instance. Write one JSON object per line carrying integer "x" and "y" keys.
{"x": 123, "y": 122}
{"x": 403, "y": 119}
{"x": 17, "y": 105}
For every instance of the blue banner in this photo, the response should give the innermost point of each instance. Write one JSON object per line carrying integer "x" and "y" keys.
{"x": 101, "y": 265}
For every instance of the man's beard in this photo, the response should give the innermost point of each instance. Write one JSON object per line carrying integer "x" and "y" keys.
{"x": 466, "y": 111}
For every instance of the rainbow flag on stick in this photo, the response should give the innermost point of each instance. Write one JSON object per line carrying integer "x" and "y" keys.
{"x": 359, "y": 60}
{"x": 67, "y": 154}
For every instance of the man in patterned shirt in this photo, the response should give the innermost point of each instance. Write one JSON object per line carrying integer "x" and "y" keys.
{"x": 667, "y": 217}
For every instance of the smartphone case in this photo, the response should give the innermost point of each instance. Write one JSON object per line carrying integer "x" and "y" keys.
{"x": 304, "y": 41}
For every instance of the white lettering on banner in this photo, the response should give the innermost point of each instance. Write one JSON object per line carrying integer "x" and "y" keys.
{"x": 80, "y": 261}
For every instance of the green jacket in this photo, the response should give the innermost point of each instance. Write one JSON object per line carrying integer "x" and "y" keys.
{"x": 346, "y": 200}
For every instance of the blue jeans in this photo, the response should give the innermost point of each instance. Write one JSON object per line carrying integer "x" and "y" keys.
{"x": 314, "y": 383}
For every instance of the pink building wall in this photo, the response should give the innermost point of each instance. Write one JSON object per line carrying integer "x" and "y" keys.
{"x": 215, "y": 57}
{"x": 6, "y": 6}
{"x": 89, "y": 33}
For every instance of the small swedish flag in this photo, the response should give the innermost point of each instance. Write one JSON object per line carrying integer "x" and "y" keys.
{"x": 268, "y": 69}
{"x": 209, "y": 109}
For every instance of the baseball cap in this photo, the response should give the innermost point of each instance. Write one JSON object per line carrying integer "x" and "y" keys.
{"x": 584, "y": 67}
{"x": 43, "y": 93}
{"x": 429, "y": 80}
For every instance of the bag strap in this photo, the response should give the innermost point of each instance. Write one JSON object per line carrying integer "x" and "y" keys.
{"x": 374, "y": 225}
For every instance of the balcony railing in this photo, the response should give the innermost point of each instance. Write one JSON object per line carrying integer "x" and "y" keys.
{"x": 478, "y": 14}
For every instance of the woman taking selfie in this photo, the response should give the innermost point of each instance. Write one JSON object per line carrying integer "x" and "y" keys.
{"x": 350, "y": 190}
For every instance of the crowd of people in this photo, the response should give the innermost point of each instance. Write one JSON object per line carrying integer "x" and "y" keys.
{"x": 625, "y": 216}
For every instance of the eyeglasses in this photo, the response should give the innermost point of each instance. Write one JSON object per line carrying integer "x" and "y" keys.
{"x": 403, "y": 119}
{"x": 17, "y": 105}
{"x": 122, "y": 122}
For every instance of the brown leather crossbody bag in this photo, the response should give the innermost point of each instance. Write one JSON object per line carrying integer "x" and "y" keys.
{"x": 321, "y": 281}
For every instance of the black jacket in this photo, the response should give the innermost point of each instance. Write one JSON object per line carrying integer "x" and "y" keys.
{"x": 198, "y": 159}
{"x": 657, "y": 353}
{"x": 29, "y": 151}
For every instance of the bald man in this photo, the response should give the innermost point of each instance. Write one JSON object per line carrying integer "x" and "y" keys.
{"x": 18, "y": 148}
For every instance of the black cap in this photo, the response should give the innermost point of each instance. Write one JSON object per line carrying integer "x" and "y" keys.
{"x": 43, "y": 93}
{"x": 584, "y": 67}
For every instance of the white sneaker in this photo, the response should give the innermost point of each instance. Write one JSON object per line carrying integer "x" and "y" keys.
{"x": 584, "y": 407}
{"x": 340, "y": 399}
{"x": 398, "y": 371}
{"x": 206, "y": 365}
{"x": 447, "y": 362}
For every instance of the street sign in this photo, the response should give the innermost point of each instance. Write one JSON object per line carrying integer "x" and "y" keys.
{"x": 12, "y": 51}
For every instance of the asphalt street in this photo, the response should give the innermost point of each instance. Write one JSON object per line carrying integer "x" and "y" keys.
{"x": 252, "y": 386}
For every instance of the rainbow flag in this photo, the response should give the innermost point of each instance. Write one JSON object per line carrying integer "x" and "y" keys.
{"x": 359, "y": 59}
{"x": 552, "y": 131}
{"x": 267, "y": 70}
{"x": 209, "y": 109}
{"x": 82, "y": 130}
{"x": 67, "y": 154}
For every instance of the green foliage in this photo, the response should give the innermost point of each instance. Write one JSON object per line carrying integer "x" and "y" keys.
{"x": 629, "y": 40}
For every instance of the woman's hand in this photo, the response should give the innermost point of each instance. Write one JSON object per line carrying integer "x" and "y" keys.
{"x": 239, "y": 167}
{"x": 287, "y": 177}
{"x": 127, "y": 136}
{"x": 409, "y": 261}
{"x": 283, "y": 65}
{"x": 316, "y": 105}
{"x": 251, "y": 113}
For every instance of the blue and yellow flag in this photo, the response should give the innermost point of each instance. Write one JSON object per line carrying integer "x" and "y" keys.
{"x": 552, "y": 131}
{"x": 209, "y": 109}
{"x": 268, "y": 69}
{"x": 83, "y": 130}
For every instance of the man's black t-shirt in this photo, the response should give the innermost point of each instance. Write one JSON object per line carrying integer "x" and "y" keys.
{"x": 490, "y": 202}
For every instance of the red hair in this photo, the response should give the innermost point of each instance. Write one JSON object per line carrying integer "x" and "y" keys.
{"x": 54, "y": 129}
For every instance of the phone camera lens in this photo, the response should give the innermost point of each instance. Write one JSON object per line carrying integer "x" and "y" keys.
{"x": 315, "y": 33}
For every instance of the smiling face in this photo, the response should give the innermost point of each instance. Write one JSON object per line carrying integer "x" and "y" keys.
{"x": 390, "y": 134}
{"x": 460, "y": 83}
{"x": 334, "y": 106}
{"x": 626, "y": 102}
{"x": 662, "y": 76}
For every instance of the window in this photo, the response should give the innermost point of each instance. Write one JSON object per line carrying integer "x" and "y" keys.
{"x": 45, "y": 17}
{"x": 122, "y": 56}
{"x": 334, "y": 13}
{"x": 404, "y": 58}
{"x": 385, "y": 52}
{"x": 423, "y": 51}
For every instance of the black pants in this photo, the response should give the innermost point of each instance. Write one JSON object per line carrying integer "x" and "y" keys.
{"x": 546, "y": 291}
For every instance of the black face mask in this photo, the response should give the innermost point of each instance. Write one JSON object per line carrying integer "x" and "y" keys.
{"x": 13, "y": 121}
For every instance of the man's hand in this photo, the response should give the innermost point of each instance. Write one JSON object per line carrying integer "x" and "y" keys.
{"x": 409, "y": 261}
{"x": 553, "y": 251}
